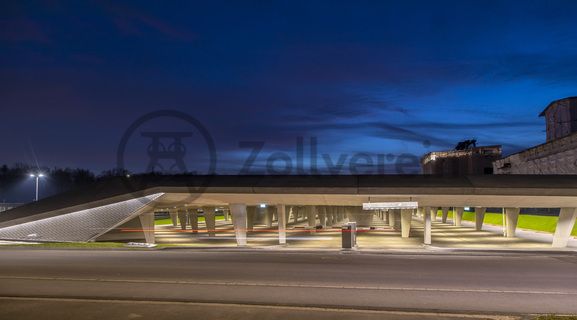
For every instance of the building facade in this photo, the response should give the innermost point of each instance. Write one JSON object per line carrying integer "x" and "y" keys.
{"x": 473, "y": 161}
{"x": 558, "y": 155}
{"x": 560, "y": 118}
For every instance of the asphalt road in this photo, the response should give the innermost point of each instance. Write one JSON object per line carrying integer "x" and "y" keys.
{"x": 494, "y": 284}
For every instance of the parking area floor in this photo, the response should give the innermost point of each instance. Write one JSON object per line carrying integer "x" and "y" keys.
{"x": 379, "y": 236}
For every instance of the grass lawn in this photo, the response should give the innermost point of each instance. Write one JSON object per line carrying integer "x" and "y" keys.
{"x": 169, "y": 221}
{"x": 538, "y": 223}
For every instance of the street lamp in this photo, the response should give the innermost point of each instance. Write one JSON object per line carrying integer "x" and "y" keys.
{"x": 37, "y": 176}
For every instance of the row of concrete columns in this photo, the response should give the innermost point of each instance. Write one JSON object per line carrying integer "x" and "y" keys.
{"x": 243, "y": 218}
{"x": 328, "y": 216}
{"x": 189, "y": 216}
{"x": 567, "y": 218}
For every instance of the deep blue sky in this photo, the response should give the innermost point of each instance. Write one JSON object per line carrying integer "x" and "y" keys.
{"x": 361, "y": 76}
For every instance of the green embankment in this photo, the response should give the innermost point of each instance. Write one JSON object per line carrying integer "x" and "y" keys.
{"x": 169, "y": 221}
{"x": 538, "y": 223}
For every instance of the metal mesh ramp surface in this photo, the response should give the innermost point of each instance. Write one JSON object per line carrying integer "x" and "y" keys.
{"x": 79, "y": 226}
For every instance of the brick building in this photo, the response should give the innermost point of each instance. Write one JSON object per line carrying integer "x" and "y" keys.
{"x": 558, "y": 155}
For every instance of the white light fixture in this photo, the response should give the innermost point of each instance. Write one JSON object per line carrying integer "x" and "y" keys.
{"x": 262, "y": 205}
{"x": 390, "y": 205}
{"x": 467, "y": 208}
{"x": 37, "y": 176}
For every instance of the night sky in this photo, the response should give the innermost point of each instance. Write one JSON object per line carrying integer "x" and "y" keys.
{"x": 371, "y": 77}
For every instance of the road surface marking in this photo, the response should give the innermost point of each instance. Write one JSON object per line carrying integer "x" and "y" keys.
{"x": 288, "y": 285}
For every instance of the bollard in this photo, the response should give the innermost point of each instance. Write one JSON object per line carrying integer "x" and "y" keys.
{"x": 349, "y": 235}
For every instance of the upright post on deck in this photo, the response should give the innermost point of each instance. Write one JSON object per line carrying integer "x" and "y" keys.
{"x": 250, "y": 217}
{"x": 147, "y": 223}
{"x": 565, "y": 224}
{"x": 268, "y": 213}
{"x": 406, "y": 217}
{"x": 511, "y": 218}
{"x": 174, "y": 217}
{"x": 457, "y": 216}
{"x": 238, "y": 211}
{"x": 479, "y": 218}
{"x": 210, "y": 221}
{"x": 311, "y": 217}
{"x": 193, "y": 219}
{"x": 322, "y": 212}
{"x": 182, "y": 218}
{"x": 392, "y": 218}
{"x": 445, "y": 214}
{"x": 433, "y": 211}
{"x": 427, "y": 225}
{"x": 281, "y": 213}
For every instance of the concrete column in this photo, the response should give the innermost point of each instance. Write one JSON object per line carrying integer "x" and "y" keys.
{"x": 322, "y": 212}
{"x": 479, "y": 217}
{"x": 406, "y": 217}
{"x": 427, "y": 226}
{"x": 445, "y": 214}
{"x": 193, "y": 219}
{"x": 397, "y": 219}
{"x": 511, "y": 218}
{"x": 330, "y": 221}
{"x": 268, "y": 212}
{"x": 173, "y": 217}
{"x": 457, "y": 216}
{"x": 209, "y": 220}
{"x": 433, "y": 212}
{"x": 250, "y": 217}
{"x": 281, "y": 214}
{"x": 295, "y": 212}
{"x": 335, "y": 215}
{"x": 182, "y": 218}
{"x": 386, "y": 215}
{"x": 147, "y": 223}
{"x": 226, "y": 214}
{"x": 391, "y": 219}
{"x": 311, "y": 216}
{"x": 239, "y": 217}
{"x": 565, "y": 224}
{"x": 288, "y": 211}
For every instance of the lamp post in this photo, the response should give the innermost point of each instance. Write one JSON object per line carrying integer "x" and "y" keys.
{"x": 37, "y": 176}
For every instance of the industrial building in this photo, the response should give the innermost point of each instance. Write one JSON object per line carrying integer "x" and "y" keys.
{"x": 558, "y": 155}
{"x": 467, "y": 161}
